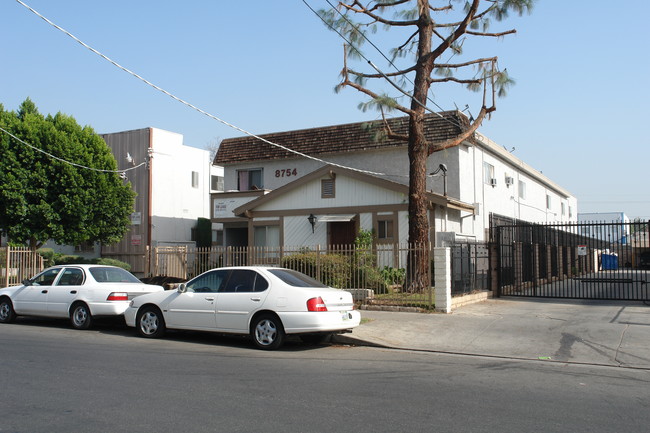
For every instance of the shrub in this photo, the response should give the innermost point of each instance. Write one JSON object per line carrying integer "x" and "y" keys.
{"x": 52, "y": 258}
{"x": 113, "y": 262}
{"x": 48, "y": 256}
{"x": 333, "y": 267}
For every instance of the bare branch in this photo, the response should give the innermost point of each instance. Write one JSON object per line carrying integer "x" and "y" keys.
{"x": 454, "y": 79}
{"x": 362, "y": 10}
{"x": 373, "y": 95}
{"x": 385, "y": 74}
{"x": 388, "y": 4}
{"x": 442, "y": 145}
{"x": 460, "y": 30}
{"x": 401, "y": 47}
{"x": 389, "y": 131}
{"x": 441, "y": 9}
{"x": 460, "y": 65}
{"x": 496, "y": 35}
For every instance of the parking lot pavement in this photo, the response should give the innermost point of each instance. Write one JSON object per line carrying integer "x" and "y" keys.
{"x": 592, "y": 332}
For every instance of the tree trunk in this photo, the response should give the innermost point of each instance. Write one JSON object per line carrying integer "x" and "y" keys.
{"x": 418, "y": 152}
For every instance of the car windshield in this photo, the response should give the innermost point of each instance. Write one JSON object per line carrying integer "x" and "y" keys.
{"x": 112, "y": 275}
{"x": 295, "y": 278}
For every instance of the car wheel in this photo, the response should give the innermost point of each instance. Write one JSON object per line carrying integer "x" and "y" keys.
{"x": 7, "y": 313}
{"x": 150, "y": 322}
{"x": 267, "y": 332}
{"x": 80, "y": 316}
{"x": 316, "y": 338}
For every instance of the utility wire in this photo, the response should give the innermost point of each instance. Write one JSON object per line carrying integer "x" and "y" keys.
{"x": 68, "y": 162}
{"x": 391, "y": 82}
{"x": 182, "y": 101}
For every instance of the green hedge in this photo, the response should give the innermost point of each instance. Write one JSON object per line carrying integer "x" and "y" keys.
{"x": 52, "y": 258}
{"x": 334, "y": 268}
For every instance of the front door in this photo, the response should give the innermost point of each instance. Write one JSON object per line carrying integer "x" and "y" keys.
{"x": 32, "y": 299}
{"x": 195, "y": 309}
{"x": 342, "y": 233}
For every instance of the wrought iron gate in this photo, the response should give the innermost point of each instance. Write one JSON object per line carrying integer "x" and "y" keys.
{"x": 578, "y": 261}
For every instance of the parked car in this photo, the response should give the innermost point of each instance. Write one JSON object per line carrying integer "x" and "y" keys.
{"x": 264, "y": 302}
{"x": 80, "y": 292}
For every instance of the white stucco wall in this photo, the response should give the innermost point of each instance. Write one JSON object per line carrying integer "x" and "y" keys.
{"x": 176, "y": 204}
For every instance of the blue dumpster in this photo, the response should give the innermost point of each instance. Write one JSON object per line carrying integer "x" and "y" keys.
{"x": 609, "y": 262}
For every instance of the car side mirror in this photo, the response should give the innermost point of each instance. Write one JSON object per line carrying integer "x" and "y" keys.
{"x": 26, "y": 283}
{"x": 182, "y": 288}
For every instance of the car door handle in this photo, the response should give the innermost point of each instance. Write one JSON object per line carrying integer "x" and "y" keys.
{"x": 74, "y": 292}
{"x": 256, "y": 299}
{"x": 43, "y": 291}
{"x": 209, "y": 299}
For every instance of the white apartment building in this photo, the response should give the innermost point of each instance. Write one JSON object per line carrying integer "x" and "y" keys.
{"x": 173, "y": 183}
{"x": 358, "y": 181}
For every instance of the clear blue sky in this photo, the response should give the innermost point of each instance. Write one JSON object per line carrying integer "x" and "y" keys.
{"x": 577, "y": 112}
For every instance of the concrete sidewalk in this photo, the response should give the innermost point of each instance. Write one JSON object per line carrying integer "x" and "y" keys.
{"x": 613, "y": 333}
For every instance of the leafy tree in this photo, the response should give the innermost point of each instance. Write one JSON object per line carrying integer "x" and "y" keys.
{"x": 432, "y": 33}
{"x": 42, "y": 197}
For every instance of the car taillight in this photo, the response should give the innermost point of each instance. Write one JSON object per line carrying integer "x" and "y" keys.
{"x": 316, "y": 304}
{"x": 118, "y": 296}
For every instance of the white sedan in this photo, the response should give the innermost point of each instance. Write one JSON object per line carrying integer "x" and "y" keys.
{"x": 266, "y": 303}
{"x": 79, "y": 292}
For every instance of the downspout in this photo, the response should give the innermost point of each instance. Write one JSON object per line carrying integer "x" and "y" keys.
{"x": 150, "y": 195}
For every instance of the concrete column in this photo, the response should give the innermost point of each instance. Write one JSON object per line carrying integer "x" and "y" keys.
{"x": 442, "y": 268}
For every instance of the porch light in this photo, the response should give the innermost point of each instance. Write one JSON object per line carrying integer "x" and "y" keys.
{"x": 312, "y": 220}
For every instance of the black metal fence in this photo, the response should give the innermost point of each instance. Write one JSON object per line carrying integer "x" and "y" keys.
{"x": 607, "y": 260}
{"x": 470, "y": 267}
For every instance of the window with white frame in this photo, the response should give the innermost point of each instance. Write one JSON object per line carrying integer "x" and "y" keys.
{"x": 267, "y": 236}
{"x": 250, "y": 179}
{"x": 563, "y": 207}
{"x": 385, "y": 229}
{"x": 522, "y": 189}
{"x": 195, "y": 179}
{"x": 488, "y": 173}
{"x": 216, "y": 183}
{"x": 548, "y": 201}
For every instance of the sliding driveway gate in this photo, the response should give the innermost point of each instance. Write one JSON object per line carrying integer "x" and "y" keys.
{"x": 579, "y": 261}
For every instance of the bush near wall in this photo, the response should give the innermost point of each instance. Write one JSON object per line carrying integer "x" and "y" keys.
{"x": 330, "y": 269}
{"x": 51, "y": 258}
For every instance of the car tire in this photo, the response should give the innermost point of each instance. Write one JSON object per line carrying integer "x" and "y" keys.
{"x": 7, "y": 313}
{"x": 150, "y": 322}
{"x": 316, "y": 338}
{"x": 267, "y": 332}
{"x": 80, "y": 316}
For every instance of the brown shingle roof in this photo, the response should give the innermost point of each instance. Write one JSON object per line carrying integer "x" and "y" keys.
{"x": 351, "y": 137}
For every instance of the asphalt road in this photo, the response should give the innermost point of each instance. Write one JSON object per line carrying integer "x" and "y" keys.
{"x": 55, "y": 379}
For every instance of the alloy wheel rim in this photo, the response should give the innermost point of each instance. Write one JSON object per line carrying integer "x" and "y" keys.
{"x": 265, "y": 332}
{"x": 4, "y": 311}
{"x": 149, "y": 323}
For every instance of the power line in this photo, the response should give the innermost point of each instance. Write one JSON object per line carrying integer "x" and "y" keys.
{"x": 68, "y": 162}
{"x": 387, "y": 59}
{"x": 182, "y": 101}
{"x": 370, "y": 62}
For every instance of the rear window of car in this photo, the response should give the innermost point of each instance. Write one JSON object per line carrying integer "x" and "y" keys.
{"x": 295, "y": 278}
{"x": 113, "y": 275}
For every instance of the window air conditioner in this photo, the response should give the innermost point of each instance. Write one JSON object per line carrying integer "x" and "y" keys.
{"x": 493, "y": 182}
{"x": 509, "y": 180}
